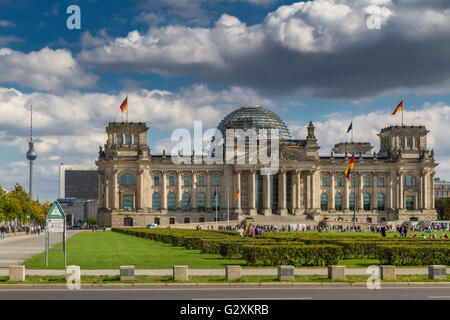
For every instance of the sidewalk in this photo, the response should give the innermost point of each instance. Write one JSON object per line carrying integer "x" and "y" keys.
{"x": 217, "y": 272}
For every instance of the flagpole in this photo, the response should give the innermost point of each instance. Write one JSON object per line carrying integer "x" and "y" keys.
{"x": 403, "y": 107}
{"x": 354, "y": 199}
{"x": 352, "y": 130}
{"x": 127, "y": 108}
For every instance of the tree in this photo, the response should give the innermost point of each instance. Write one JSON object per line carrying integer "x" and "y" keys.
{"x": 443, "y": 208}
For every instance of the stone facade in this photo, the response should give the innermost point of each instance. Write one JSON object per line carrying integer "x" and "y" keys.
{"x": 136, "y": 187}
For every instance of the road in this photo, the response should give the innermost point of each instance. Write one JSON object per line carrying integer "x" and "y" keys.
{"x": 16, "y": 251}
{"x": 248, "y": 293}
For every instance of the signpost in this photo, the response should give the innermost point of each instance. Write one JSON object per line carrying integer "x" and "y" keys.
{"x": 55, "y": 222}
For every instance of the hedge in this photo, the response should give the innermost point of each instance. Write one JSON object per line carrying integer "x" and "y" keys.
{"x": 307, "y": 255}
{"x": 413, "y": 255}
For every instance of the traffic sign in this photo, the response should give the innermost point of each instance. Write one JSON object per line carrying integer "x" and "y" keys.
{"x": 55, "y": 222}
{"x": 56, "y": 211}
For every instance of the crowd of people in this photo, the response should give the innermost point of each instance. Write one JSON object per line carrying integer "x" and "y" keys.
{"x": 27, "y": 229}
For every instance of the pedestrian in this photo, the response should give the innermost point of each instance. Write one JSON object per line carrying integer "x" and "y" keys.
{"x": 3, "y": 232}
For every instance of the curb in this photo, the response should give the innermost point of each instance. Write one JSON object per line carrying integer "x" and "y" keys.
{"x": 221, "y": 284}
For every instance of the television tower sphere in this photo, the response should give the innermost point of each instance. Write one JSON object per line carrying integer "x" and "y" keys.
{"x": 31, "y": 154}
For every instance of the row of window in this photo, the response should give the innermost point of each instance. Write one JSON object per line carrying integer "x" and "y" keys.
{"x": 127, "y": 139}
{"x": 129, "y": 180}
{"x": 407, "y": 181}
{"x": 381, "y": 206}
{"x": 171, "y": 201}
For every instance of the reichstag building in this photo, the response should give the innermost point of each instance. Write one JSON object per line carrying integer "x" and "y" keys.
{"x": 137, "y": 187}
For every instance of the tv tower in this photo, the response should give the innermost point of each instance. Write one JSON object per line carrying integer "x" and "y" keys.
{"x": 31, "y": 155}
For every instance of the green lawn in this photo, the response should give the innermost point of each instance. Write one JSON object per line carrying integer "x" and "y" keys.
{"x": 110, "y": 250}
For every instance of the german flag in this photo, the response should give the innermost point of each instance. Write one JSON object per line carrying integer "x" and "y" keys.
{"x": 236, "y": 196}
{"x": 351, "y": 165}
{"x": 399, "y": 107}
{"x": 124, "y": 104}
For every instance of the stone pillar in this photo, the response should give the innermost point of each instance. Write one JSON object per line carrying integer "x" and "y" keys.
{"x": 267, "y": 210}
{"x": 179, "y": 189}
{"x": 194, "y": 191}
{"x": 315, "y": 190}
{"x": 140, "y": 191}
{"x": 431, "y": 190}
{"x": 294, "y": 186}
{"x": 282, "y": 193}
{"x": 347, "y": 192}
{"x": 107, "y": 190}
{"x": 374, "y": 199}
{"x": 164, "y": 192}
{"x": 115, "y": 189}
{"x": 421, "y": 192}
{"x": 390, "y": 194}
{"x": 252, "y": 193}
{"x": 332, "y": 193}
{"x": 400, "y": 191}
{"x": 299, "y": 205}
{"x": 208, "y": 204}
{"x": 237, "y": 187}
{"x": 360, "y": 191}
{"x": 308, "y": 191}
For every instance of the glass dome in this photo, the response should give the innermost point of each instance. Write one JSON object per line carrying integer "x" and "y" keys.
{"x": 254, "y": 117}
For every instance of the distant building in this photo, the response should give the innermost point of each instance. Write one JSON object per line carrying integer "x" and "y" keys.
{"x": 441, "y": 188}
{"x": 78, "y": 191}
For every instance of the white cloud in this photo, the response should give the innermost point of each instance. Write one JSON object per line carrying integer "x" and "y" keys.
{"x": 46, "y": 69}
{"x": 436, "y": 118}
{"x": 320, "y": 47}
{"x": 7, "y": 23}
{"x": 69, "y": 128}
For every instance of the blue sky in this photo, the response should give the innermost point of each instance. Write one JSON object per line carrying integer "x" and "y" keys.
{"x": 180, "y": 61}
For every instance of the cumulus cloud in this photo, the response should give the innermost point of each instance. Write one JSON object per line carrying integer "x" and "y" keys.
{"x": 7, "y": 23}
{"x": 435, "y": 117}
{"x": 46, "y": 69}
{"x": 69, "y": 128}
{"x": 323, "y": 48}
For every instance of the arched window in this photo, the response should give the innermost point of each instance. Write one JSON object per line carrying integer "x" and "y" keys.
{"x": 128, "y": 139}
{"x": 352, "y": 201}
{"x": 186, "y": 202}
{"x": 200, "y": 201}
{"x": 215, "y": 201}
{"x": 127, "y": 180}
{"x": 324, "y": 201}
{"x": 409, "y": 181}
{"x": 171, "y": 201}
{"x": 338, "y": 202}
{"x": 366, "y": 201}
{"x": 156, "y": 201}
{"x": 380, "y": 202}
{"x": 119, "y": 139}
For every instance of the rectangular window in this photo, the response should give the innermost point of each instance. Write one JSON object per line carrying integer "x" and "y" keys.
{"x": 136, "y": 139}
{"x": 416, "y": 142}
{"x": 186, "y": 181}
{"x": 127, "y": 139}
{"x": 367, "y": 182}
{"x": 171, "y": 180}
{"x": 324, "y": 182}
{"x": 201, "y": 181}
{"x": 216, "y": 181}
{"x": 156, "y": 181}
{"x": 186, "y": 220}
{"x": 172, "y": 220}
{"x": 409, "y": 203}
{"x": 381, "y": 182}
{"x": 339, "y": 182}
{"x": 352, "y": 181}
{"x": 127, "y": 203}
{"x": 157, "y": 221}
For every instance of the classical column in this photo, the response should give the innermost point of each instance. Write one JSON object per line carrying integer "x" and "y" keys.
{"x": 237, "y": 187}
{"x": 149, "y": 192}
{"x": 115, "y": 189}
{"x": 140, "y": 186}
{"x": 282, "y": 192}
{"x": 400, "y": 198}
{"x": 299, "y": 205}
{"x": 194, "y": 191}
{"x": 374, "y": 204}
{"x": 107, "y": 190}
{"x": 347, "y": 192}
{"x": 431, "y": 190}
{"x": 421, "y": 193}
{"x": 332, "y": 193}
{"x": 360, "y": 191}
{"x": 179, "y": 190}
{"x": 208, "y": 205}
{"x": 164, "y": 191}
{"x": 267, "y": 210}
{"x": 308, "y": 191}
{"x": 294, "y": 186}
{"x": 252, "y": 193}
{"x": 315, "y": 190}
{"x": 100, "y": 187}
